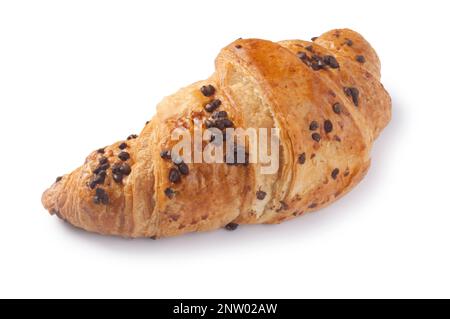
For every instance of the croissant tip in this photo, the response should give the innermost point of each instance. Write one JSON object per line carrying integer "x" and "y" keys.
{"x": 48, "y": 199}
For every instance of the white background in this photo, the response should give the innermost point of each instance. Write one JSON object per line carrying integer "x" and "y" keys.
{"x": 76, "y": 75}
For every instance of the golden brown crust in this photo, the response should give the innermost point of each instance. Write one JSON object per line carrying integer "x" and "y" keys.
{"x": 261, "y": 84}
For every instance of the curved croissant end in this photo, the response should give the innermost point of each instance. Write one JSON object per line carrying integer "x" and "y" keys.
{"x": 324, "y": 98}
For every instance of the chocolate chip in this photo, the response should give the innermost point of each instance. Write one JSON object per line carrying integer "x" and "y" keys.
{"x": 219, "y": 115}
{"x": 348, "y": 42}
{"x": 337, "y": 108}
{"x": 101, "y": 197}
{"x": 317, "y": 63}
{"x": 125, "y": 169}
{"x": 92, "y": 184}
{"x": 124, "y": 156}
{"x": 313, "y": 126}
{"x": 169, "y": 192}
{"x": 353, "y": 93}
{"x": 316, "y": 137}
{"x": 103, "y": 160}
{"x": 208, "y": 90}
{"x": 314, "y": 39}
{"x": 132, "y": 137}
{"x": 118, "y": 178}
{"x": 313, "y": 205}
{"x": 360, "y": 59}
{"x": 99, "y": 179}
{"x": 335, "y": 173}
{"x": 123, "y": 146}
{"x": 231, "y": 226}
{"x": 212, "y": 106}
{"x": 58, "y": 179}
{"x": 101, "y": 168}
{"x": 238, "y": 46}
{"x": 302, "y": 158}
{"x": 121, "y": 169}
{"x": 226, "y": 123}
{"x": 101, "y": 151}
{"x": 309, "y": 48}
{"x": 302, "y": 55}
{"x": 102, "y": 173}
{"x": 116, "y": 168}
{"x": 328, "y": 126}
{"x": 331, "y": 61}
{"x": 260, "y": 195}
{"x": 316, "y": 66}
{"x": 183, "y": 168}
{"x": 165, "y": 154}
{"x": 174, "y": 175}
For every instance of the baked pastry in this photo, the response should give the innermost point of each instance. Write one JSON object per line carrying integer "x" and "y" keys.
{"x": 324, "y": 97}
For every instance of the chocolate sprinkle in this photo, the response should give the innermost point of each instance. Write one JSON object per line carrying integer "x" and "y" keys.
{"x": 328, "y": 126}
{"x": 101, "y": 197}
{"x": 316, "y": 137}
{"x": 58, "y": 179}
{"x": 212, "y": 106}
{"x": 302, "y": 158}
{"x": 313, "y": 126}
{"x": 337, "y": 108}
{"x": 165, "y": 154}
{"x": 260, "y": 195}
{"x": 335, "y": 173}
{"x": 123, "y": 146}
{"x": 353, "y": 93}
{"x": 169, "y": 192}
{"x": 183, "y": 168}
{"x": 174, "y": 175}
{"x": 208, "y": 90}
{"x": 124, "y": 156}
{"x": 231, "y": 226}
{"x": 360, "y": 59}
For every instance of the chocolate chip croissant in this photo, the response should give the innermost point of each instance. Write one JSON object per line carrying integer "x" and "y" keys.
{"x": 323, "y": 98}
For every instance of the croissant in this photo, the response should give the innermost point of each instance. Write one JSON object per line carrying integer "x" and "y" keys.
{"x": 323, "y": 97}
